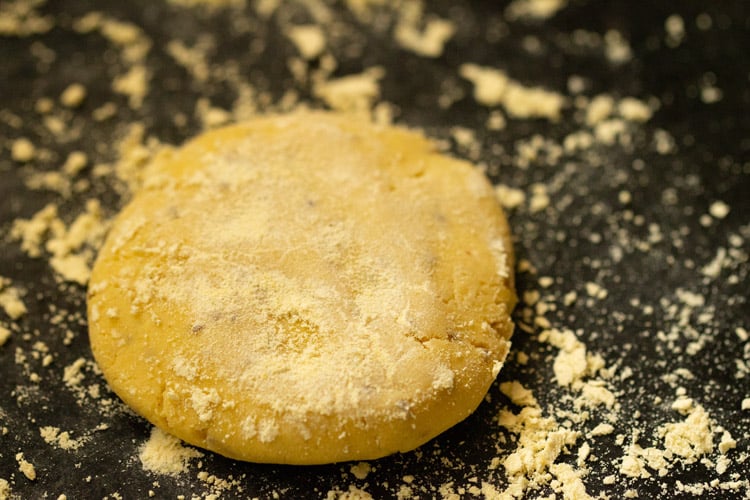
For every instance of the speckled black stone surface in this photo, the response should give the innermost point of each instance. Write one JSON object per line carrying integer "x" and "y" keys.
{"x": 589, "y": 233}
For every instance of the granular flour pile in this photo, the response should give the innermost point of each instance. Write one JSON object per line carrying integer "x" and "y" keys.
{"x": 630, "y": 366}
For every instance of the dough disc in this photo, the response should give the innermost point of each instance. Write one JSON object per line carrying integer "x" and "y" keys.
{"x": 303, "y": 289}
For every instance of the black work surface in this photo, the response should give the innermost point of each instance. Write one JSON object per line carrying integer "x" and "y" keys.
{"x": 633, "y": 217}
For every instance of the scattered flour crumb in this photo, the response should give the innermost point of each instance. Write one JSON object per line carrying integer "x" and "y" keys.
{"x": 75, "y": 162}
{"x": 21, "y": 19}
{"x": 539, "y": 199}
{"x": 352, "y": 493}
{"x": 10, "y": 299}
{"x": 31, "y": 232}
{"x": 132, "y": 42}
{"x": 427, "y": 42}
{"x": 211, "y": 116}
{"x": 713, "y": 268}
{"x": 599, "y": 108}
{"x": 193, "y": 59}
{"x": 570, "y": 364}
{"x": 616, "y": 47}
{"x": 636, "y": 458}
{"x": 674, "y": 25}
{"x": 73, "y": 95}
{"x": 352, "y": 92}
{"x": 165, "y": 454}
{"x": 719, "y": 209}
{"x": 70, "y": 247}
{"x": 496, "y": 120}
{"x": 309, "y": 40}
{"x": 26, "y": 467}
{"x": 360, "y": 470}
{"x": 634, "y": 110}
{"x": 546, "y": 281}
{"x": 494, "y": 87}
{"x": 569, "y": 481}
{"x": 210, "y": 4}
{"x": 541, "y": 440}
{"x": 691, "y": 438}
{"x": 53, "y": 436}
{"x": 4, "y": 335}
{"x": 711, "y": 94}
{"x": 22, "y": 150}
{"x": 533, "y": 9}
{"x": 104, "y": 112}
{"x": 727, "y": 443}
{"x": 72, "y": 375}
{"x": 684, "y": 441}
{"x": 595, "y": 290}
{"x": 518, "y": 394}
{"x": 133, "y": 85}
{"x": 602, "y": 430}
{"x": 510, "y": 197}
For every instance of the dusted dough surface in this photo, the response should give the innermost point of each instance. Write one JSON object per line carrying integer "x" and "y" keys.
{"x": 305, "y": 288}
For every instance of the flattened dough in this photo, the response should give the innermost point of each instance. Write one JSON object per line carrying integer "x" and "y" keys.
{"x": 305, "y": 288}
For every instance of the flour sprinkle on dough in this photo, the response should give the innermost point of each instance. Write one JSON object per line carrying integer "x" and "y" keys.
{"x": 305, "y": 288}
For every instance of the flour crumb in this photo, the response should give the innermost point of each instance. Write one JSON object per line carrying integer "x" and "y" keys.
{"x": 133, "y": 85}
{"x": 719, "y": 209}
{"x": 163, "y": 453}
{"x": 727, "y": 443}
{"x": 691, "y": 438}
{"x": 518, "y": 394}
{"x": 360, "y": 470}
{"x": 26, "y": 467}
{"x": 427, "y": 42}
{"x": 309, "y": 40}
{"x": 352, "y": 493}
{"x": 674, "y": 26}
{"x": 570, "y": 364}
{"x": 541, "y": 440}
{"x": 62, "y": 440}
{"x": 210, "y": 5}
{"x": 10, "y": 299}
{"x": 494, "y": 87}
{"x": 73, "y": 95}
{"x": 22, "y": 150}
{"x": 72, "y": 374}
{"x": 4, "y": 489}
{"x": 74, "y": 163}
{"x": 603, "y": 429}
{"x": 211, "y": 116}
{"x": 599, "y": 108}
{"x": 351, "y": 93}
{"x": 539, "y": 199}
{"x": 509, "y": 197}
{"x": 596, "y": 291}
{"x": 634, "y": 110}
{"x": 616, "y": 48}
{"x": 71, "y": 248}
{"x": 21, "y": 19}
{"x": 4, "y": 335}
{"x": 713, "y": 268}
{"x": 533, "y": 9}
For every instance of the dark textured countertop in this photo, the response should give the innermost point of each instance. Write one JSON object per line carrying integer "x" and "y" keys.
{"x": 638, "y": 245}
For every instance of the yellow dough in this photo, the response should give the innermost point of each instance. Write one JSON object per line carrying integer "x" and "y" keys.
{"x": 305, "y": 288}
